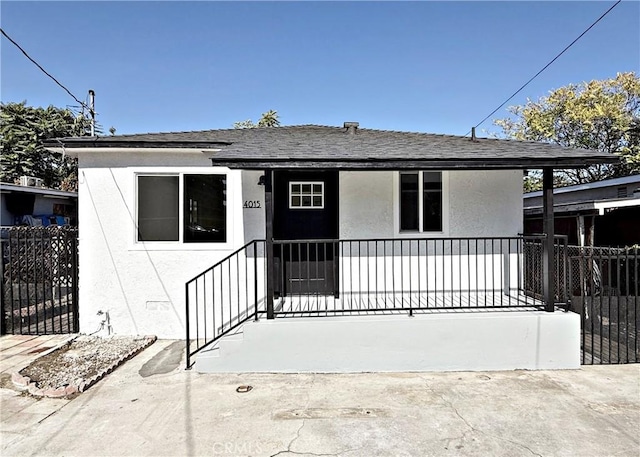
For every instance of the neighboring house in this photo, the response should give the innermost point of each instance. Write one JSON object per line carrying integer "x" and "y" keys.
{"x": 31, "y": 205}
{"x": 604, "y": 213}
{"x": 200, "y": 233}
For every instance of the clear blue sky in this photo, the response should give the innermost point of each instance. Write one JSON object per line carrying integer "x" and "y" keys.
{"x": 435, "y": 67}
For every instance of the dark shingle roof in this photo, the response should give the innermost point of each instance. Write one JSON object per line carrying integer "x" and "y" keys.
{"x": 322, "y": 146}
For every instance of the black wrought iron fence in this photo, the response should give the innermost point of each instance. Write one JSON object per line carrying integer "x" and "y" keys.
{"x": 605, "y": 290}
{"x": 533, "y": 249}
{"x": 39, "y": 280}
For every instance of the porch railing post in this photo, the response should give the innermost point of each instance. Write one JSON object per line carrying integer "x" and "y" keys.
{"x": 255, "y": 279}
{"x": 188, "y": 330}
{"x": 548, "y": 261}
{"x": 268, "y": 203}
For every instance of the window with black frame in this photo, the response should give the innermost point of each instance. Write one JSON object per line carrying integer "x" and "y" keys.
{"x": 158, "y": 208}
{"x": 205, "y": 208}
{"x": 421, "y": 201}
{"x": 204, "y": 214}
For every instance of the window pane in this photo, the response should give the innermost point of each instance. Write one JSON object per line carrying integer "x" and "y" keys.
{"x": 409, "y": 201}
{"x": 295, "y": 201}
{"x": 295, "y": 188}
{"x": 306, "y": 201}
{"x": 205, "y": 213}
{"x": 317, "y": 188}
{"x": 317, "y": 202}
{"x": 432, "y": 202}
{"x": 158, "y": 208}
{"x": 306, "y": 188}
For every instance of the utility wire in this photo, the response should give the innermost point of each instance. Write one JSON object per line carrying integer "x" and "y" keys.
{"x": 546, "y": 66}
{"x": 42, "y": 69}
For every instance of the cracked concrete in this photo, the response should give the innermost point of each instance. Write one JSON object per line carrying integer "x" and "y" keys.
{"x": 471, "y": 427}
{"x": 594, "y": 411}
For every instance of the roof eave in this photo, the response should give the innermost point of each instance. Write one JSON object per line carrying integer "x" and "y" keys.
{"x": 412, "y": 164}
{"x": 102, "y": 143}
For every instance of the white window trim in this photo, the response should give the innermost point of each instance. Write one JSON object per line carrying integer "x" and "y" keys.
{"x": 232, "y": 201}
{"x": 396, "y": 207}
{"x": 312, "y": 183}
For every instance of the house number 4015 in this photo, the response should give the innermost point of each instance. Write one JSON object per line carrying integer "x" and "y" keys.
{"x": 252, "y": 204}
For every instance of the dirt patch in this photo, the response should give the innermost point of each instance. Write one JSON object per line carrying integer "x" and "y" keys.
{"x": 79, "y": 363}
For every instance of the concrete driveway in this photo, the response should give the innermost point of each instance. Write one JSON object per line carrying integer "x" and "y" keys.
{"x": 150, "y": 406}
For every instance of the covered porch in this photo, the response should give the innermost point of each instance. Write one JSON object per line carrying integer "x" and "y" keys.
{"x": 314, "y": 273}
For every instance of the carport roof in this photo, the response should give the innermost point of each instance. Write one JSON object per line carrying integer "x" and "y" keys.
{"x": 316, "y": 146}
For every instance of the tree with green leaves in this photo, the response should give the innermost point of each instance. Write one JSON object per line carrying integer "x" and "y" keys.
{"x": 22, "y": 132}
{"x": 602, "y": 115}
{"x": 268, "y": 119}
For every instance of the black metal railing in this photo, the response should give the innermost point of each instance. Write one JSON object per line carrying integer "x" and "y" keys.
{"x": 407, "y": 275}
{"x": 39, "y": 280}
{"x": 337, "y": 277}
{"x": 225, "y": 296}
{"x": 605, "y": 290}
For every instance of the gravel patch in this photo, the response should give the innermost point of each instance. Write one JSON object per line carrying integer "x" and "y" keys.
{"x": 83, "y": 361}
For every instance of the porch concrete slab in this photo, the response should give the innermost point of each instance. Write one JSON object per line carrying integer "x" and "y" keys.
{"x": 594, "y": 411}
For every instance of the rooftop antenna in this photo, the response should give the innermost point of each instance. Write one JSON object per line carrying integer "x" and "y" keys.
{"x": 92, "y": 111}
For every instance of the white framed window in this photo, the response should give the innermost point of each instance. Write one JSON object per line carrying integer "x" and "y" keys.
{"x": 181, "y": 207}
{"x": 421, "y": 202}
{"x": 306, "y": 195}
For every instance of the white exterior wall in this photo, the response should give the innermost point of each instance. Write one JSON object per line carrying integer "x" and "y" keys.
{"x": 475, "y": 204}
{"x": 142, "y": 287}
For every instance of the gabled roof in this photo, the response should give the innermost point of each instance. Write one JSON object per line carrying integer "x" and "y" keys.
{"x": 315, "y": 146}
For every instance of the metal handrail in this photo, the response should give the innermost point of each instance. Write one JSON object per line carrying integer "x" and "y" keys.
{"x": 223, "y": 307}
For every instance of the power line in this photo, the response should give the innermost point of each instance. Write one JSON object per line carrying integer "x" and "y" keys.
{"x": 546, "y": 66}
{"x": 42, "y": 69}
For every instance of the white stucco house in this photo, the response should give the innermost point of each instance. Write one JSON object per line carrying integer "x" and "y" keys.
{"x": 314, "y": 248}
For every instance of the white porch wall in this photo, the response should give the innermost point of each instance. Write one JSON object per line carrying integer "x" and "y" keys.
{"x": 485, "y": 203}
{"x": 143, "y": 288}
{"x": 476, "y": 203}
{"x": 366, "y": 204}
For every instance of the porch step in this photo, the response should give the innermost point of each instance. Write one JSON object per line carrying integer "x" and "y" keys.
{"x": 227, "y": 345}
{"x": 428, "y": 342}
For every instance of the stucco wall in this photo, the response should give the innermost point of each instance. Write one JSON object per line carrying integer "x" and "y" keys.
{"x": 485, "y": 203}
{"x": 366, "y": 204}
{"x": 141, "y": 287}
{"x": 476, "y": 203}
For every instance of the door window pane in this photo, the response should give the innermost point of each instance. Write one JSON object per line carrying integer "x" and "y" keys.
{"x": 306, "y": 195}
{"x": 409, "y": 201}
{"x": 205, "y": 210}
{"x": 158, "y": 198}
